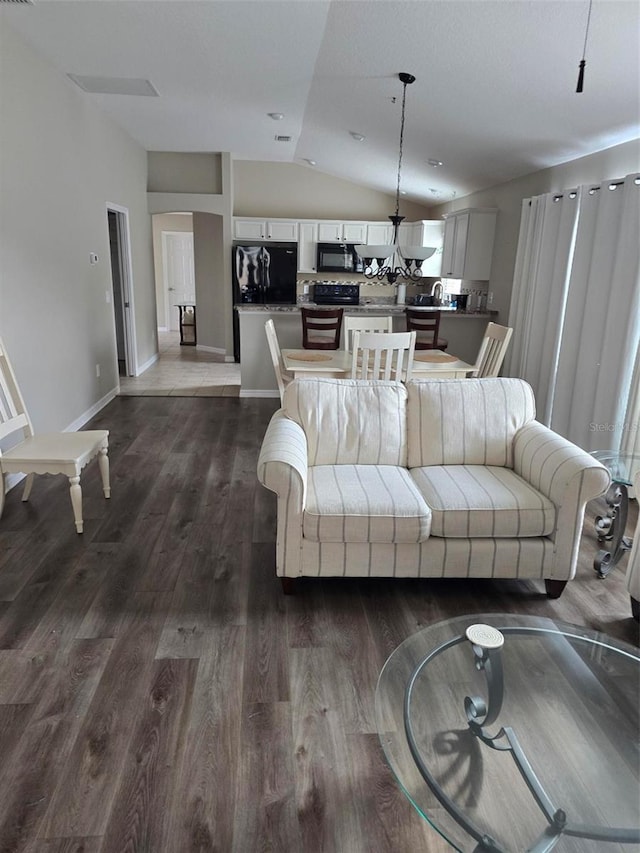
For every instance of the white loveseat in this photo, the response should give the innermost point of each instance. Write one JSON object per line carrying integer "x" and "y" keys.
{"x": 438, "y": 478}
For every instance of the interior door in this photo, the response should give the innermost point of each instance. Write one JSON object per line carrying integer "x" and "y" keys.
{"x": 179, "y": 275}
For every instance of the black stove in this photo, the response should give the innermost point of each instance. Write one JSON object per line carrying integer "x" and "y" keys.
{"x": 336, "y": 294}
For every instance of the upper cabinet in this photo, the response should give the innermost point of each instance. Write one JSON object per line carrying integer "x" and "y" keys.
{"x": 285, "y": 230}
{"x": 468, "y": 243}
{"x": 342, "y": 232}
{"x": 379, "y": 233}
{"x": 307, "y": 247}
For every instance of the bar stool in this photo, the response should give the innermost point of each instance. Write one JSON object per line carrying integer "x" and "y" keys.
{"x": 321, "y": 328}
{"x": 426, "y": 323}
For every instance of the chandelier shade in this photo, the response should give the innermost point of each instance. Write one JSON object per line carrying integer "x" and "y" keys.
{"x": 391, "y": 261}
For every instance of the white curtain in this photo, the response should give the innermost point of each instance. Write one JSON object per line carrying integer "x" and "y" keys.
{"x": 576, "y": 310}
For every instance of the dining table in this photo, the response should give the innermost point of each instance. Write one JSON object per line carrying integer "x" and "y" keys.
{"x": 336, "y": 364}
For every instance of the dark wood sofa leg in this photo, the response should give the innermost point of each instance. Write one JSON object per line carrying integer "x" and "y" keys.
{"x": 288, "y": 585}
{"x": 635, "y": 608}
{"x": 554, "y": 588}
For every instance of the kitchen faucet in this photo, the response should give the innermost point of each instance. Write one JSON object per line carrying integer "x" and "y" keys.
{"x": 436, "y": 292}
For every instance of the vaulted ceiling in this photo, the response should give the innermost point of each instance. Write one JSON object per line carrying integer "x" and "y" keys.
{"x": 494, "y": 96}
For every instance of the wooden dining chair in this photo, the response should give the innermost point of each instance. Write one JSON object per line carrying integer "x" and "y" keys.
{"x": 321, "y": 328}
{"x": 283, "y": 377}
{"x": 426, "y": 324}
{"x": 383, "y": 355}
{"x": 492, "y": 351}
{"x": 46, "y": 453}
{"x": 365, "y": 324}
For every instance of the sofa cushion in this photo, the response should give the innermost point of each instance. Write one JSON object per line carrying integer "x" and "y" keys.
{"x": 477, "y": 501}
{"x": 364, "y": 503}
{"x": 466, "y": 421}
{"x": 350, "y": 421}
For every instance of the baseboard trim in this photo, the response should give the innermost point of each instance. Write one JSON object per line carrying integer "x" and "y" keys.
{"x": 90, "y": 413}
{"x": 147, "y": 364}
{"x": 214, "y": 350}
{"x": 263, "y": 394}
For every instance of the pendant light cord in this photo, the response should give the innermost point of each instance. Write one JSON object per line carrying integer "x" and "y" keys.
{"x": 586, "y": 33}
{"x": 583, "y": 61}
{"x": 404, "y": 95}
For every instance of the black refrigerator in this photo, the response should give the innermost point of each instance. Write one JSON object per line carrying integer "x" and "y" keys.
{"x": 263, "y": 275}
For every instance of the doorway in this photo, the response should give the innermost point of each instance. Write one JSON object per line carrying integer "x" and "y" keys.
{"x": 179, "y": 274}
{"x": 123, "y": 313}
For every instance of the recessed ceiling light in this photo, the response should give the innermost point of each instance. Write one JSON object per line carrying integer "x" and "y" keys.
{"x": 276, "y": 116}
{"x": 435, "y": 163}
{"x": 310, "y": 162}
{"x": 357, "y": 136}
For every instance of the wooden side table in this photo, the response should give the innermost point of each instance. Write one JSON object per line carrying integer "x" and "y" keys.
{"x": 188, "y": 329}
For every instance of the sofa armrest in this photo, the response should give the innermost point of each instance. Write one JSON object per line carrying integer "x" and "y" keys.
{"x": 568, "y": 476}
{"x": 282, "y": 468}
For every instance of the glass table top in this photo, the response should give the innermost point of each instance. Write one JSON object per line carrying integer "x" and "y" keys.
{"x": 466, "y": 735}
{"x": 622, "y": 466}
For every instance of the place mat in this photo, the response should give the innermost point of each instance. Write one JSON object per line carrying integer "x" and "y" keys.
{"x": 310, "y": 356}
{"x": 437, "y": 357}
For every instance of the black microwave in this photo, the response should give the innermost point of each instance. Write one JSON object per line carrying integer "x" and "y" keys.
{"x": 338, "y": 257}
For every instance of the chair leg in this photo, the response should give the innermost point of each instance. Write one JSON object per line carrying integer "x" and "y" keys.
{"x": 27, "y": 486}
{"x": 76, "y": 501}
{"x": 103, "y": 463}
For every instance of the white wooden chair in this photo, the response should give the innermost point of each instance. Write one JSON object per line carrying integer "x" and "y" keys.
{"x": 282, "y": 376}
{"x": 492, "y": 351}
{"x": 48, "y": 453}
{"x": 383, "y": 355}
{"x": 364, "y": 324}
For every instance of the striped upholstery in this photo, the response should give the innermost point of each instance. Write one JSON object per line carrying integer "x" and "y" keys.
{"x": 348, "y": 504}
{"x": 481, "y": 500}
{"x": 466, "y": 421}
{"x": 567, "y": 475}
{"x": 364, "y": 503}
{"x": 350, "y": 421}
{"x": 435, "y": 558}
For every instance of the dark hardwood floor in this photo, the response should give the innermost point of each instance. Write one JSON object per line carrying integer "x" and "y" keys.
{"x": 158, "y": 692}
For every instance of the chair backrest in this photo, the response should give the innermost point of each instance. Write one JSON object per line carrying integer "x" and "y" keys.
{"x": 426, "y": 324}
{"x": 321, "y": 327}
{"x": 365, "y": 324}
{"x": 383, "y": 355}
{"x": 13, "y": 412}
{"x": 282, "y": 377}
{"x": 492, "y": 351}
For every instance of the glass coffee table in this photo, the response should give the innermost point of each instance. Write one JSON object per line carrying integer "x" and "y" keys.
{"x": 611, "y": 526}
{"x": 516, "y": 733}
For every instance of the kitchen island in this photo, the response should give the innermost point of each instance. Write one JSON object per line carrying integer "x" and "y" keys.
{"x": 464, "y": 331}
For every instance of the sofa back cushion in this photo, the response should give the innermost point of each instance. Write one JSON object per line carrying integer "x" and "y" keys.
{"x": 350, "y": 421}
{"x": 466, "y": 421}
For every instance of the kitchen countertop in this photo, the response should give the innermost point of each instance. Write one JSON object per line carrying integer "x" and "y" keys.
{"x": 367, "y": 308}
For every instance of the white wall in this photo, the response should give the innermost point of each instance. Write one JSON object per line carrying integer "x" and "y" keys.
{"x": 290, "y": 190}
{"x": 61, "y": 162}
{"x": 612, "y": 163}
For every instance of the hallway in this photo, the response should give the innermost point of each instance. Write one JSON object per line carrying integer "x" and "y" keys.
{"x": 183, "y": 371}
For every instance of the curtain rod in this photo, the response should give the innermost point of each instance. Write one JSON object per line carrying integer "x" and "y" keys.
{"x": 612, "y": 185}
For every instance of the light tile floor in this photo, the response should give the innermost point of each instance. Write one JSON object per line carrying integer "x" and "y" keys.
{"x": 183, "y": 371}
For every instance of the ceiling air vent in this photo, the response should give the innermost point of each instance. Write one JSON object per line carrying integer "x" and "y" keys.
{"x": 18, "y": 2}
{"x": 283, "y": 138}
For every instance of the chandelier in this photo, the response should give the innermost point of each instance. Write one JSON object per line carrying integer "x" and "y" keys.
{"x": 392, "y": 261}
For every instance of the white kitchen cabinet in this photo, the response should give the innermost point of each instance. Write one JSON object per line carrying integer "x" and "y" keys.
{"x": 330, "y": 231}
{"x": 468, "y": 243}
{"x": 282, "y": 230}
{"x": 307, "y": 246}
{"x": 379, "y": 233}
